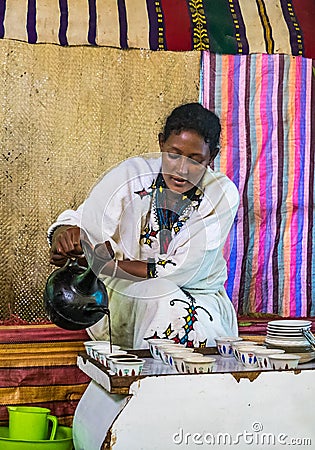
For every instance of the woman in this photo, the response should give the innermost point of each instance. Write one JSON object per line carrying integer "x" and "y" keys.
{"x": 164, "y": 220}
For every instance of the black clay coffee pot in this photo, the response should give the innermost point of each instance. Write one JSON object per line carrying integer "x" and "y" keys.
{"x": 74, "y": 297}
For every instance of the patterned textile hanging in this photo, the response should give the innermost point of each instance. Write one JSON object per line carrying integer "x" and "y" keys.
{"x": 265, "y": 106}
{"x": 221, "y": 26}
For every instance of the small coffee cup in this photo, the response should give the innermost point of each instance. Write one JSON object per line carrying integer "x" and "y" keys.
{"x": 112, "y": 357}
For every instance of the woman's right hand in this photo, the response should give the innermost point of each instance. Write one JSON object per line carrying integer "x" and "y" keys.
{"x": 65, "y": 244}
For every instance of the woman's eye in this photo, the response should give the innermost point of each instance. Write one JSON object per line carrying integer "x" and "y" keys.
{"x": 173, "y": 155}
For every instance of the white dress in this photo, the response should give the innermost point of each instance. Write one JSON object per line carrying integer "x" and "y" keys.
{"x": 186, "y": 302}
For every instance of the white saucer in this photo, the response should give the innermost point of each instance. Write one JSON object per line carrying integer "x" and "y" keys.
{"x": 287, "y": 343}
{"x": 288, "y": 323}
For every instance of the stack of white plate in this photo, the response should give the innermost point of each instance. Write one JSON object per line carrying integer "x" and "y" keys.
{"x": 287, "y": 334}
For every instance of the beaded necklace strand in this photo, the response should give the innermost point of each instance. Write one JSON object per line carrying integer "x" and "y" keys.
{"x": 168, "y": 217}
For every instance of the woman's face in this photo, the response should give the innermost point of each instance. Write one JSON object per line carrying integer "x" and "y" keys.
{"x": 185, "y": 157}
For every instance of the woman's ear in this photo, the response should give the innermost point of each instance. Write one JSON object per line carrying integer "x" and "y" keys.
{"x": 212, "y": 158}
{"x": 215, "y": 153}
{"x": 161, "y": 140}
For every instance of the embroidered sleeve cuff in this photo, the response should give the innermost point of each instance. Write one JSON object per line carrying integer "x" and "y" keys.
{"x": 151, "y": 268}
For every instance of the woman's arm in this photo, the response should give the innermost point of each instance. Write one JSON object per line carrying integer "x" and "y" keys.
{"x": 66, "y": 244}
{"x": 129, "y": 270}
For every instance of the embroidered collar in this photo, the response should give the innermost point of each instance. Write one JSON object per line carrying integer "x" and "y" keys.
{"x": 168, "y": 219}
{"x": 172, "y": 218}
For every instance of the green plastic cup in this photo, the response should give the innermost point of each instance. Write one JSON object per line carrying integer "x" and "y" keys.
{"x": 31, "y": 423}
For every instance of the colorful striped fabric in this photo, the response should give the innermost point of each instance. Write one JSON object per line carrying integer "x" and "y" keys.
{"x": 38, "y": 366}
{"x": 264, "y": 102}
{"x": 221, "y": 26}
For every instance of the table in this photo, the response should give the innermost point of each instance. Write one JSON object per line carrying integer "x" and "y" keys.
{"x": 162, "y": 409}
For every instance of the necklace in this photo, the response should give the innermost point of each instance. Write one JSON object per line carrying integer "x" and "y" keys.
{"x": 168, "y": 213}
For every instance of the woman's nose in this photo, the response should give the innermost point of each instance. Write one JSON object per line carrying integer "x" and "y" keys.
{"x": 183, "y": 165}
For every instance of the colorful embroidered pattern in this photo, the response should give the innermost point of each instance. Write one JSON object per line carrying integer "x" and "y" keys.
{"x": 168, "y": 331}
{"x": 160, "y": 26}
{"x": 200, "y": 34}
{"x": 167, "y": 220}
{"x": 190, "y": 318}
{"x": 149, "y": 233}
{"x": 151, "y": 268}
{"x": 163, "y": 262}
{"x": 178, "y": 225}
{"x": 143, "y": 193}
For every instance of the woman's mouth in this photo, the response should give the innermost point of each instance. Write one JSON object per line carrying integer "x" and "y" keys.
{"x": 179, "y": 181}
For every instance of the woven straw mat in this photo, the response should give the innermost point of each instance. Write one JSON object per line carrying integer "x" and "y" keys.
{"x": 67, "y": 115}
